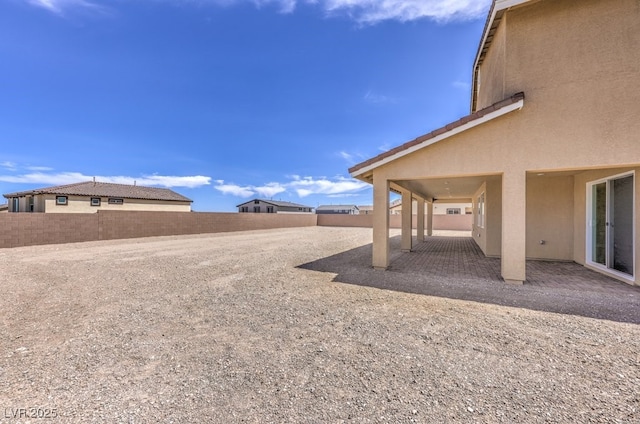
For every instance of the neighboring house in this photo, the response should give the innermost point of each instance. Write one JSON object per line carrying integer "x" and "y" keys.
{"x": 338, "y": 209}
{"x": 366, "y": 209}
{"x": 395, "y": 207}
{"x": 272, "y": 206}
{"x": 91, "y": 196}
{"x": 438, "y": 208}
{"x": 4, "y": 207}
{"x": 550, "y": 175}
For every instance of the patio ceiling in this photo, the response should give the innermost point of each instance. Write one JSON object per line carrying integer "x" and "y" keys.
{"x": 446, "y": 189}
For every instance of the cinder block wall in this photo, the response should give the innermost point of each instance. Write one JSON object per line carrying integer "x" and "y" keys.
{"x": 440, "y": 222}
{"x": 29, "y": 229}
{"x": 120, "y": 225}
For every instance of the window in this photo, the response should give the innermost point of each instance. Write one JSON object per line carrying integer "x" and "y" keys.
{"x": 244, "y": 208}
{"x": 480, "y": 211}
{"x": 15, "y": 204}
{"x": 256, "y": 209}
{"x": 610, "y": 224}
{"x": 257, "y": 202}
{"x": 95, "y": 201}
{"x": 269, "y": 209}
{"x": 116, "y": 201}
{"x": 453, "y": 211}
{"x": 30, "y": 203}
{"x": 62, "y": 200}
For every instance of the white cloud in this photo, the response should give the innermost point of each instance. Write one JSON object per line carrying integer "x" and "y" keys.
{"x": 270, "y": 189}
{"x": 11, "y": 166}
{"x": 235, "y": 190}
{"x": 62, "y": 178}
{"x": 39, "y": 168}
{"x": 373, "y": 11}
{"x": 376, "y": 98}
{"x": 340, "y": 185}
{"x": 461, "y": 85}
{"x": 362, "y": 11}
{"x": 59, "y": 6}
{"x": 302, "y": 186}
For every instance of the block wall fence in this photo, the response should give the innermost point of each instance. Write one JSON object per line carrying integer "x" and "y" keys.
{"x": 29, "y": 229}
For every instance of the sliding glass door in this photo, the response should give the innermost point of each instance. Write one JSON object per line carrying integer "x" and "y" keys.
{"x": 611, "y": 240}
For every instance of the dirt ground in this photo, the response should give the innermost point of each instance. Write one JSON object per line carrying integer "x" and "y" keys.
{"x": 228, "y": 328}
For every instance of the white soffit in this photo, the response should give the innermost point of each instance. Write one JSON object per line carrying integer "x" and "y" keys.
{"x": 471, "y": 124}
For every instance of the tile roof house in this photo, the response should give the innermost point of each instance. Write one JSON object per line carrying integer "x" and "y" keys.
{"x": 272, "y": 206}
{"x": 91, "y": 196}
{"x": 549, "y": 152}
{"x": 338, "y": 209}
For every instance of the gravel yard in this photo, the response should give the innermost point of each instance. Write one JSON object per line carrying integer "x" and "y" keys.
{"x": 229, "y": 327}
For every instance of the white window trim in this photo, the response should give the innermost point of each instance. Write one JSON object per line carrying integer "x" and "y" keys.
{"x": 481, "y": 210}
{"x": 589, "y": 234}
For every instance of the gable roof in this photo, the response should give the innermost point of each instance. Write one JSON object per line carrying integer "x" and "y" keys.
{"x": 335, "y": 207}
{"x": 97, "y": 189}
{"x": 515, "y": 102}
{"x": 278, "y": 203}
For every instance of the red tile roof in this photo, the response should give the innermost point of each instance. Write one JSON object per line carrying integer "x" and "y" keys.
{"x": 97, "y": 189}
{"x": 440, "y": 131}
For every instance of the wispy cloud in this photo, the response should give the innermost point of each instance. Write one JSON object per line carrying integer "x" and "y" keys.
{"x": 308, "y": 185}
{"x": 10, "y": 166}
{"x": 301, "y": 186}
{"x": 361, "y": 11}
{"x": 374, "y": 11}
{"x": 60, "y": 6}
{"x": 462, "y": 85}
{"x": 352, "y": 158}
{"x": 376, "y": 98}
{"x": 60, "y": 178}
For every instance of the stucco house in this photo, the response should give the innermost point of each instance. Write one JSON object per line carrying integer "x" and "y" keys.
{"x": 272, "y": 206}
{"x": 92, "y": 196}
{"x": 338, "y": 209}
{"x": 549, "y": 153}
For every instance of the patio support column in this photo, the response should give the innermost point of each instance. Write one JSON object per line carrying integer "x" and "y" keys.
{"x": 429, "y": 219}
{"x": 513, "y": 262}
{"x": 407, "y": 212}
{"x": 420, "y": 223}
{"x": 380, "y": 222}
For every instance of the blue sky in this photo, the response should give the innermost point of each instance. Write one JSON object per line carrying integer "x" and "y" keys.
{"x": 226, "y": 100}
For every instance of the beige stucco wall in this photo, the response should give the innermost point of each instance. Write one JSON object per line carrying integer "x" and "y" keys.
{"x": 491, "y": 74}
{"x": 550, "y": 217}
{"x": 488, "y": 237}
{"x": 81, "y": 204}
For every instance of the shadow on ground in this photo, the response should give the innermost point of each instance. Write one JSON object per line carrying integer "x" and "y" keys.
{"x": 438, "y": 269}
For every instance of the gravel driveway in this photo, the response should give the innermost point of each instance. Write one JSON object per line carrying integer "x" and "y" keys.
{"x": 231, "y": 327}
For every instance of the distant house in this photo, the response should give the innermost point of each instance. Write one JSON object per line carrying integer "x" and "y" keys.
{"x": 272, "y": 206}
{"x": 366, "y": 209}
{"x": 91, "y": 196}
{"x": 338, "y": 209}
{"x": 439, "y": 208}
{"x": 4, "y": 207}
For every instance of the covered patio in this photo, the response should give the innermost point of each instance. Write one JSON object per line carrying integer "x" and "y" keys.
{"x": 459, "y": 257}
